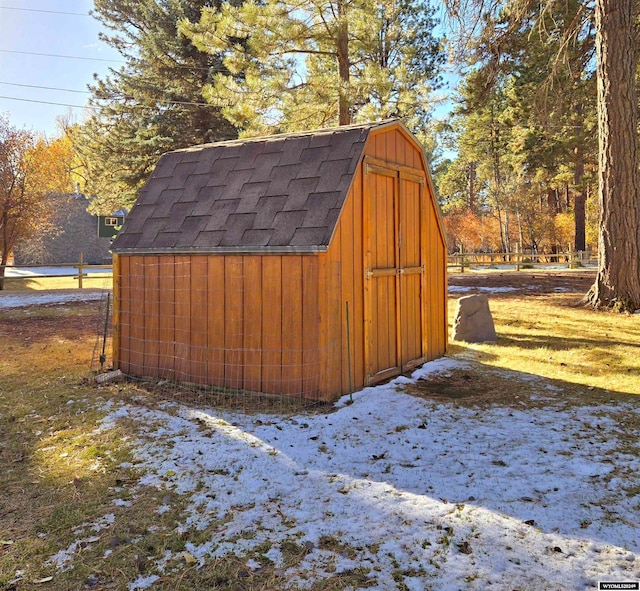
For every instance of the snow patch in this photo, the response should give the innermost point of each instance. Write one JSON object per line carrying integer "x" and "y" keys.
{"x": 466, "y": 288}
{"x": 453, "y": 497}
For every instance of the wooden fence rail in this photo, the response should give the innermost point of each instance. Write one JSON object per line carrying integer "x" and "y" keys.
{"x": 457, "y": 261}
{"x": 519, "y": 260}
{"x": 81, "y": 271}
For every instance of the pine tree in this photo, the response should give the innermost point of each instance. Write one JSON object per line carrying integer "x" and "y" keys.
{"x": 303, "y": 64}
{"x": 541, "y": 65}
{"x": 615, "y": 24}
{"x": 618, "y": 282}
{"x": 150, "y": 105}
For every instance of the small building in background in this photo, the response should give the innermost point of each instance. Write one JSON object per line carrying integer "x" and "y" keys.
{"x": 109, "y": 225}
{"x": 71, "y": 230}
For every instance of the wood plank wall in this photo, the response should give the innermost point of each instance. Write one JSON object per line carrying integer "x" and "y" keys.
{"x": 436, "y": 289}
{"x": 395, "y": 147}
{"x": 341, "y": 281}
{"x": 346, "y": 284}
{"x": 239, "y": 322}
{"x": 272, "y": 323}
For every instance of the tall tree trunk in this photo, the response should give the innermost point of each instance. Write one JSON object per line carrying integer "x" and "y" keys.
{"x": 579, "y": 212}
{"x": 503, "y": 244}
{"x": 3, "y": 262}
{"x": 580, "y": 197}
{"x": 472, "y": 186}
{"x": 520, "y": 232}
{"x": 344, "y": 103}
{"x": 5, "y": 249}
{"x": 618, "y": 281}
{"x": 507, "y": 231}
{"x": 552, "y": 201}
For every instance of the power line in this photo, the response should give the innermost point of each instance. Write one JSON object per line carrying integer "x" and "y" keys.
{"x": 160, "y": 103}
{"x": 191, "y": 103}
{"x": 47, "y": 11}
{"x": 24, "y": 100}
{"x": 71, "y": 57}
{"x": 99, "y": 59}
{"x": 45, "y": 87}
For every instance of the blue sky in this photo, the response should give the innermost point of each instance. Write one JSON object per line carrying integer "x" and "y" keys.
{"x": 23, "y": 28}
{"x": 56, "y": 28}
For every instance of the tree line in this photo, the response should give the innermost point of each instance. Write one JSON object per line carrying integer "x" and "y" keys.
{"x": 525, "y": 132}
{"x": 533, "y": 152}
{"x": 30, "y": 167}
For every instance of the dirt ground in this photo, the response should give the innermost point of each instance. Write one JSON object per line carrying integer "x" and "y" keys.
{"x": 36, "y": 324}
{"x": 522, "y": 283}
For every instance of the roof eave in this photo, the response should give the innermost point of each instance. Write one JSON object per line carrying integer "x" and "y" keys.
{"x": 222, "y": 250}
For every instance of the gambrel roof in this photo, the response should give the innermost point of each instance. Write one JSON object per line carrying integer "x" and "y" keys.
{"x": 279, "y": 193}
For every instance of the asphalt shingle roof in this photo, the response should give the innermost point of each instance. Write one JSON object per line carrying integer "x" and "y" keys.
{"x": 276, "y": 193}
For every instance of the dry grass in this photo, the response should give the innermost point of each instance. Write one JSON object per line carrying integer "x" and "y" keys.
{"x": 550, "y": 335}
{"x": 481, "y": 386}
{"x": 474, "y": 385}
{"x": 60, "y": 471}
{"x": 102, "y": 281}
{"x": 61, "y": 475}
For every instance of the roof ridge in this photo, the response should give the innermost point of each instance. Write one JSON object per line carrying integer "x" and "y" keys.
{"x": 290, "y": 135}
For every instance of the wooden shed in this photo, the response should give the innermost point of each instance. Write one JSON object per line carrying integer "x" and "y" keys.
{"x": 306, "y": 264}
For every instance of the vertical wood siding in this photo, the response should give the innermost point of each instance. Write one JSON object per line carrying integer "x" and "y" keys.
{"x": 151, "y": 309}
{"x": 123, "y": 305}
{"x": 238, "y": 322}
{"x": 199, "y": 287}
{"x": 422, "y": 332}
{"x": 253, "y": 301}
{"x": 292, "y": 329}
{"x": 216, "y": 320}
{"x": 277, "y": 323}
{"x": 116, "y": 311}
{"x": 184, "y": 354}
{"x": 166, "y": 320}
{"x": 234, "y": 321}
{"x": 136, "y": 316}
{"x": 272, "y": 323}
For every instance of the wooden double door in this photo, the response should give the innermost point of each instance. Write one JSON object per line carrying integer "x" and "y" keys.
{"x": 394, "y": 271}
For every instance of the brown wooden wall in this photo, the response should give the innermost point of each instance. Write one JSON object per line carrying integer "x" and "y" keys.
{"x": 278, "y": 323}
{"x": 239, "y": 322}
{"x": 343, "y": 267}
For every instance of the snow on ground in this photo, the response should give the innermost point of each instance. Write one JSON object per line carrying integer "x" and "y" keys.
{"x": 420, "y": 493}
{"x": 466, "y": 288}
{"x": 21, "y": 299}
{"x": 473, "y": 267}
{"x": 53, "y": 271}
{"x": 423, "y": 494}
